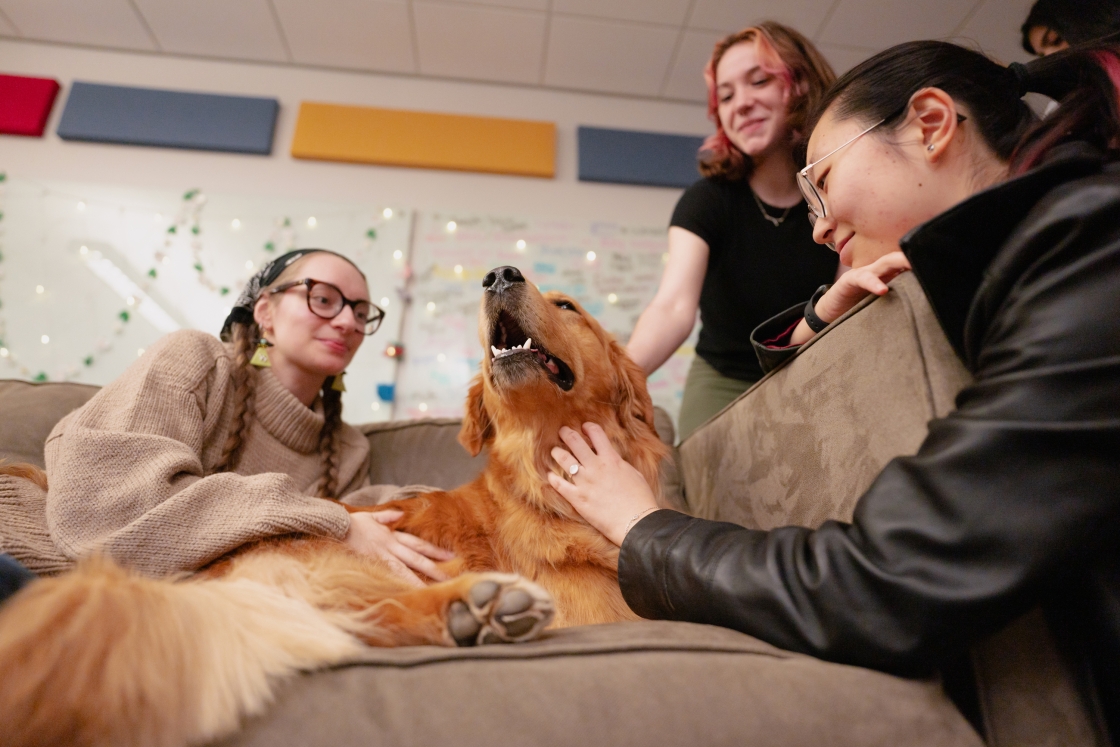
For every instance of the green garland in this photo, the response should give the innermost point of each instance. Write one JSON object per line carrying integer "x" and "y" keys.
{"x": 6, "y": 353}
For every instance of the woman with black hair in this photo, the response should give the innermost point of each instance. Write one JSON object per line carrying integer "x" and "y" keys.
{"x": 1053, "y": 25}
{"x": 1012, "y": 226}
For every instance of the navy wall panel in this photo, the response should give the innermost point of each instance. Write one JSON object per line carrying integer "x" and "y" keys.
{"x": 171, "y": 119}
{"x": 629, "y": 157}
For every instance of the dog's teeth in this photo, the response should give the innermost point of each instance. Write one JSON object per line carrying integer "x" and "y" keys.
{"x": 527, "y": 344}
{"x": 494, "y": 350}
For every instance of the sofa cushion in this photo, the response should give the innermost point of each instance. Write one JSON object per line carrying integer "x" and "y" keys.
{"x": 406, "y": 452}
{"x": 647, "y": 684}
{"x": 28, "y": 412}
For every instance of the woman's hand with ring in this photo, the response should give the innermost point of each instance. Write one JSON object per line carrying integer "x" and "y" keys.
{"x": 605, "y": 489}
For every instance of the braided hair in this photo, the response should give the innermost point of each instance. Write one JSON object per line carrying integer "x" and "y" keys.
{"x": 244, "y": 380}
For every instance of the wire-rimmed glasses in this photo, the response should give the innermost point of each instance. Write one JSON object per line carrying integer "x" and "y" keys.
{"x": 326, "y": 302}
{"x": 813, "y": 198}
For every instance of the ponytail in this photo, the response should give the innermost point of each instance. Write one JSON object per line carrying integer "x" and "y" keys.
{"x": 1084, "y": 80}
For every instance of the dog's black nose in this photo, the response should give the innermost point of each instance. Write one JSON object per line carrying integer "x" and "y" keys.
{"x": 500, "y": 278}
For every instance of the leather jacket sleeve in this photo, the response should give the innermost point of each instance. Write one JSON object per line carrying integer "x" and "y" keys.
{"x": 1009, "y": 498}
{"x": 770, "y": 339}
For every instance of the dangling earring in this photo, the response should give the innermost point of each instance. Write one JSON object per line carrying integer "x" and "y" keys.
{"x": 260, "y": 356}
{"x": 338, "y": 384}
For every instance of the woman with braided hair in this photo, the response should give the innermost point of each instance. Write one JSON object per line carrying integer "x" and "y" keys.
{"x": 200, "y": 446}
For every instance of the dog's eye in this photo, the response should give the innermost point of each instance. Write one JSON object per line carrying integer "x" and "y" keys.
{"x": 564, "y": 305}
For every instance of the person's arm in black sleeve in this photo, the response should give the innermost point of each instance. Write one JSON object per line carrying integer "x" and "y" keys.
{"x": 771, "y": 339}
{"x": 1007, "y": 497}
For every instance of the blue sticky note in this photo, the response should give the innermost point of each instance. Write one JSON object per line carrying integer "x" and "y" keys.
{"x": 629, "y": 157}
{"x": 170, "y": 119}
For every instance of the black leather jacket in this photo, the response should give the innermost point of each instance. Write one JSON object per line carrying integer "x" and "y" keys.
{"x": 1012, "y": 501}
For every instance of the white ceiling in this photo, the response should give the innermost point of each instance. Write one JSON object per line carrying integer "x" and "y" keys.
{"x": 646, "y": 48}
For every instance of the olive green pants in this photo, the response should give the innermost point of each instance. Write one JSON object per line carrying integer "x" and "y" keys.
{"x": 706, "y": 392}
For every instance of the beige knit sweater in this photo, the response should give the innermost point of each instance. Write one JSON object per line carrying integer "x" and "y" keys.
{"x": 130, "y": 471}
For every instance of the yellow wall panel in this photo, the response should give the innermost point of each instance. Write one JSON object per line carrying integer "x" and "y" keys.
{"x": 392, "y": 137}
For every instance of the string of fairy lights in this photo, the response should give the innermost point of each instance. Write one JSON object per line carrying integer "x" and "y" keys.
{"x": 184, "y": 231}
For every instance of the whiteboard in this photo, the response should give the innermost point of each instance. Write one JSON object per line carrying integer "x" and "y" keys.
{"x": 424, "y": 267}
{"x": 612, "y": 269}
{"x": 125, "y": 232}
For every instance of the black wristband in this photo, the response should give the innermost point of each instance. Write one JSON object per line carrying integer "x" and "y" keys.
{"x": 815, "y": 322}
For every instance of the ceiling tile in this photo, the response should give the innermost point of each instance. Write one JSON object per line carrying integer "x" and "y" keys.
{"x": 604, "y": 56}
{"x": 671, "y": 12}
{"x": 481, "y": 43}
{"x": 878, "y": 24}
{"x": 348, "y": 33}
{"x": 995, "y": 29}
{"x": 733, "y": 15}
{"x": 238, "y": 29}
{"x": 844, "y": 59}
{"x": 105, "y": 23}
{"x": 686, "y": 80}
{"x": 6, "y": 28}
{"x": 522, "y": 4}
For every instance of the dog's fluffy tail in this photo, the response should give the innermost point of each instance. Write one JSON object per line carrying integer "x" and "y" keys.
{"x": 101, "y": 656}
{"x": 25, "y": 471}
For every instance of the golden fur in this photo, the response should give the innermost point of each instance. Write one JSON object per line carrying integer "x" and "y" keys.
{"x": 103, "y": 656}
{"x": 510, "y": 518}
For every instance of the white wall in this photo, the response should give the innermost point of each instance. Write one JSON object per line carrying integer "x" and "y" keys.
{"x": 125, "y": 186}
{"x": 280, "y": 174}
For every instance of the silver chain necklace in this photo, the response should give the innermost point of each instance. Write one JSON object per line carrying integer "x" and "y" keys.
{"x": 776, "y": 221}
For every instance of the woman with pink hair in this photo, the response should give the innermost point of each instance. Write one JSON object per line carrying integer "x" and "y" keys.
{"x": 740, "y": 244}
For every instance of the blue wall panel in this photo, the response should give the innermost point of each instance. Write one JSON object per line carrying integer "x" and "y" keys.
{"x": 170, "y": 119}
{"x": 628, "y": 157}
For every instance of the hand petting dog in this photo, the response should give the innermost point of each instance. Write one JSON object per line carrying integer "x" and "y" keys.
{"x": 403, "y": 553}
{"x": 602, "y": 487}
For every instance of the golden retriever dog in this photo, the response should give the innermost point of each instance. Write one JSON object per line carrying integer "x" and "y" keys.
{"x": 550, "y": 364}
{"x": 103, "y": 656}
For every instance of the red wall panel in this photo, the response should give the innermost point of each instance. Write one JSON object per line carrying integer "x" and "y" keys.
{"x": 25, "y": 104}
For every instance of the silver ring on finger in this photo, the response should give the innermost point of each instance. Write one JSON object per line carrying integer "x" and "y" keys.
{"x": 573, "y": 470}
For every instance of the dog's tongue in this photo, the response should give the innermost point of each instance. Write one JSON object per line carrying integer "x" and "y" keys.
{"x": 548, "y": 362}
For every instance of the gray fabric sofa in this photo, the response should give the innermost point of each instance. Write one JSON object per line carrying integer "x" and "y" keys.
{"x": 798, "y": 448}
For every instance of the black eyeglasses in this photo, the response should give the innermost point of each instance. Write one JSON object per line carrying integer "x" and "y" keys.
{"x": 326, "y": 301}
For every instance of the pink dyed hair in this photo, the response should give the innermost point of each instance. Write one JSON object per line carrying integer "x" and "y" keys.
{"x": 1090, "y": 111}
{"x": 785, "y": 53}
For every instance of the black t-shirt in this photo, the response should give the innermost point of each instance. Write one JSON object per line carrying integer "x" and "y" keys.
{"x": 755, "y": 269}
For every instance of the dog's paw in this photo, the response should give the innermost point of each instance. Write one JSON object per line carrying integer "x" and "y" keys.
{"x": 499, "y": 608}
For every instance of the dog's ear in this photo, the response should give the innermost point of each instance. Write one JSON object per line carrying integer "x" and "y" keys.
{"x": 477, "y": 430}
{"x": 633, "y": 398}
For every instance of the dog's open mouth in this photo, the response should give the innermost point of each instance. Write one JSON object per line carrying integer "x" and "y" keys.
{"x": 510, "y": 345}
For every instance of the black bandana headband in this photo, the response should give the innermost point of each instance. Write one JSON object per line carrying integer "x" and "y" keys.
{"x": 242, "y": 311}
